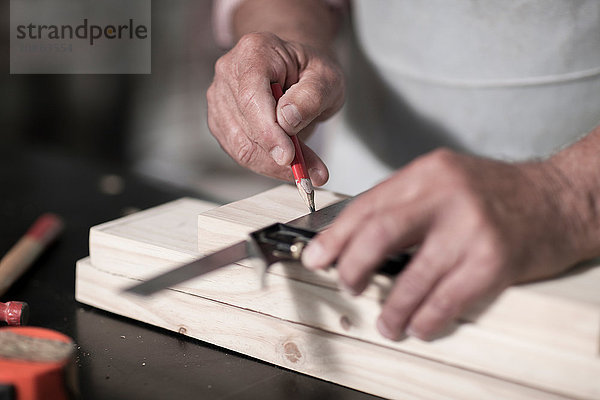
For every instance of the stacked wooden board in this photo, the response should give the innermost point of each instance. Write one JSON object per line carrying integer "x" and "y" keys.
{"x": 539, "y": 340}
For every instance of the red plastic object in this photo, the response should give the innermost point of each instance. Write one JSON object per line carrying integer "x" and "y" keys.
{"x": 32, "y": 376}
{"x": 14, "y": 313}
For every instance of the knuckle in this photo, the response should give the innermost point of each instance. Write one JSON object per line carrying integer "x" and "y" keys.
{"x": 210, "y": 96}
{"x": 216, "y": 124}
{"x": 490, "y": 242}
{"x": 489, "y": 248}
{"x": 247, "y": 99}
{"x": 443, "y": 156}
{"x": 311, "y": 99}
{"x": 491, "y": 269}
{"x": 442, "y": 164}
{"x": 474, "y": 214}
{"x": 332, "y": 89}
{"x": 446, "y": 163}
{"x": 334, "y": 78}
{"x": 222, "y": 66}
{"x": 414, "y": 282}
{"x": 246, "y": 153}
{"x": 378, "y": 232}
{"x": 254, "y": 40}
{"x": 442, "y": 305}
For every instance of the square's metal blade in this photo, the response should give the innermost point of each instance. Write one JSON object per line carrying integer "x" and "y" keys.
{"x": 221, "y": 258}
{"x": 237, "y": 252}
{"x": 320, "y": 219}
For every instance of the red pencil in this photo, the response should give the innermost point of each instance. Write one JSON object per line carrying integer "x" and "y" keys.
{"x": 303, "y": 182}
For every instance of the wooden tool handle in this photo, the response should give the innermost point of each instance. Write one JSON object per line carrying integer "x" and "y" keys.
{"x": 28, "y": 248}
{"x": 17, "y": 260}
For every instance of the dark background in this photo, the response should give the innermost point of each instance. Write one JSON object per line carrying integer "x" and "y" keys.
{"x": 61, "y": 138}
{"x": 152, "y": 124}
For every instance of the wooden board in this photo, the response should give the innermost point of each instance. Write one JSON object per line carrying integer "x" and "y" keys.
{"x": 520, "y": 338}
{"x": 359, "y": 365}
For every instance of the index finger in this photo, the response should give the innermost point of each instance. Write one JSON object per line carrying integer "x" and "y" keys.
{"x": 325, "y": 248}
{"x": 381, "y": 200}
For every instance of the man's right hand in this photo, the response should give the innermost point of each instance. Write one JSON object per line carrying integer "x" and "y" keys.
{"x": 244, "y": 117}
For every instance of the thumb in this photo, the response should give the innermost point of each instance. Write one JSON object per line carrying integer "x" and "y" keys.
{"x": 314, "y": 97}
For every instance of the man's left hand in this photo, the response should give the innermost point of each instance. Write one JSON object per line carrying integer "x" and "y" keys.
{"x": 479, "y": 226}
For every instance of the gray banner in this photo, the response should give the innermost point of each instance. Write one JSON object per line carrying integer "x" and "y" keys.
{"x": 80, "y": 36}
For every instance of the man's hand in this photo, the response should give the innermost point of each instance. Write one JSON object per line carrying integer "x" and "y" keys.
{"x": 243, "y": 115}
{"x": 480, "y": 225}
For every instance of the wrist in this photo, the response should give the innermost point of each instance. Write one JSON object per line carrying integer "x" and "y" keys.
{"x": 308, "y": 22}
{"x": 577, "y": 195}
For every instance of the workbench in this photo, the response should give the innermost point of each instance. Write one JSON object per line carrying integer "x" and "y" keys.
{"x": 119, "y": 358}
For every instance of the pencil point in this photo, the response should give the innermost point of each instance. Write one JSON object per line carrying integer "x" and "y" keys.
{"x": 311, "y": 202}
{"x": 305, "y": 188}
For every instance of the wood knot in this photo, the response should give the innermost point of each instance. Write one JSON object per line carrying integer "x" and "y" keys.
{"x": 345, "y": 323}
{"x": 291, "y": 352}
{"x": 182, "y": 330}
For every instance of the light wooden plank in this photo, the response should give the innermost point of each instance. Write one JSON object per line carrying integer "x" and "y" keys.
{"x": 170, "y": 223}
{"x": 474, "y": 346}
{"x": 132, "y": 240}
{"x": 470, "y": 346}
{"x": 331, "y": 357}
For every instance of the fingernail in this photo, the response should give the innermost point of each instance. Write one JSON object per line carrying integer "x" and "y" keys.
{"x": 277, "y": 154}
{"x": 410, "y": 331}
{"x": 291, "y": 115}
{"x": 312, "y": 255}
{"x": 342, "y": 285}
{"x": 384, "y": 329}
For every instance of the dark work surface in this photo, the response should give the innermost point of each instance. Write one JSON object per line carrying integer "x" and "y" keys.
{"x": 118, "y": 358}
